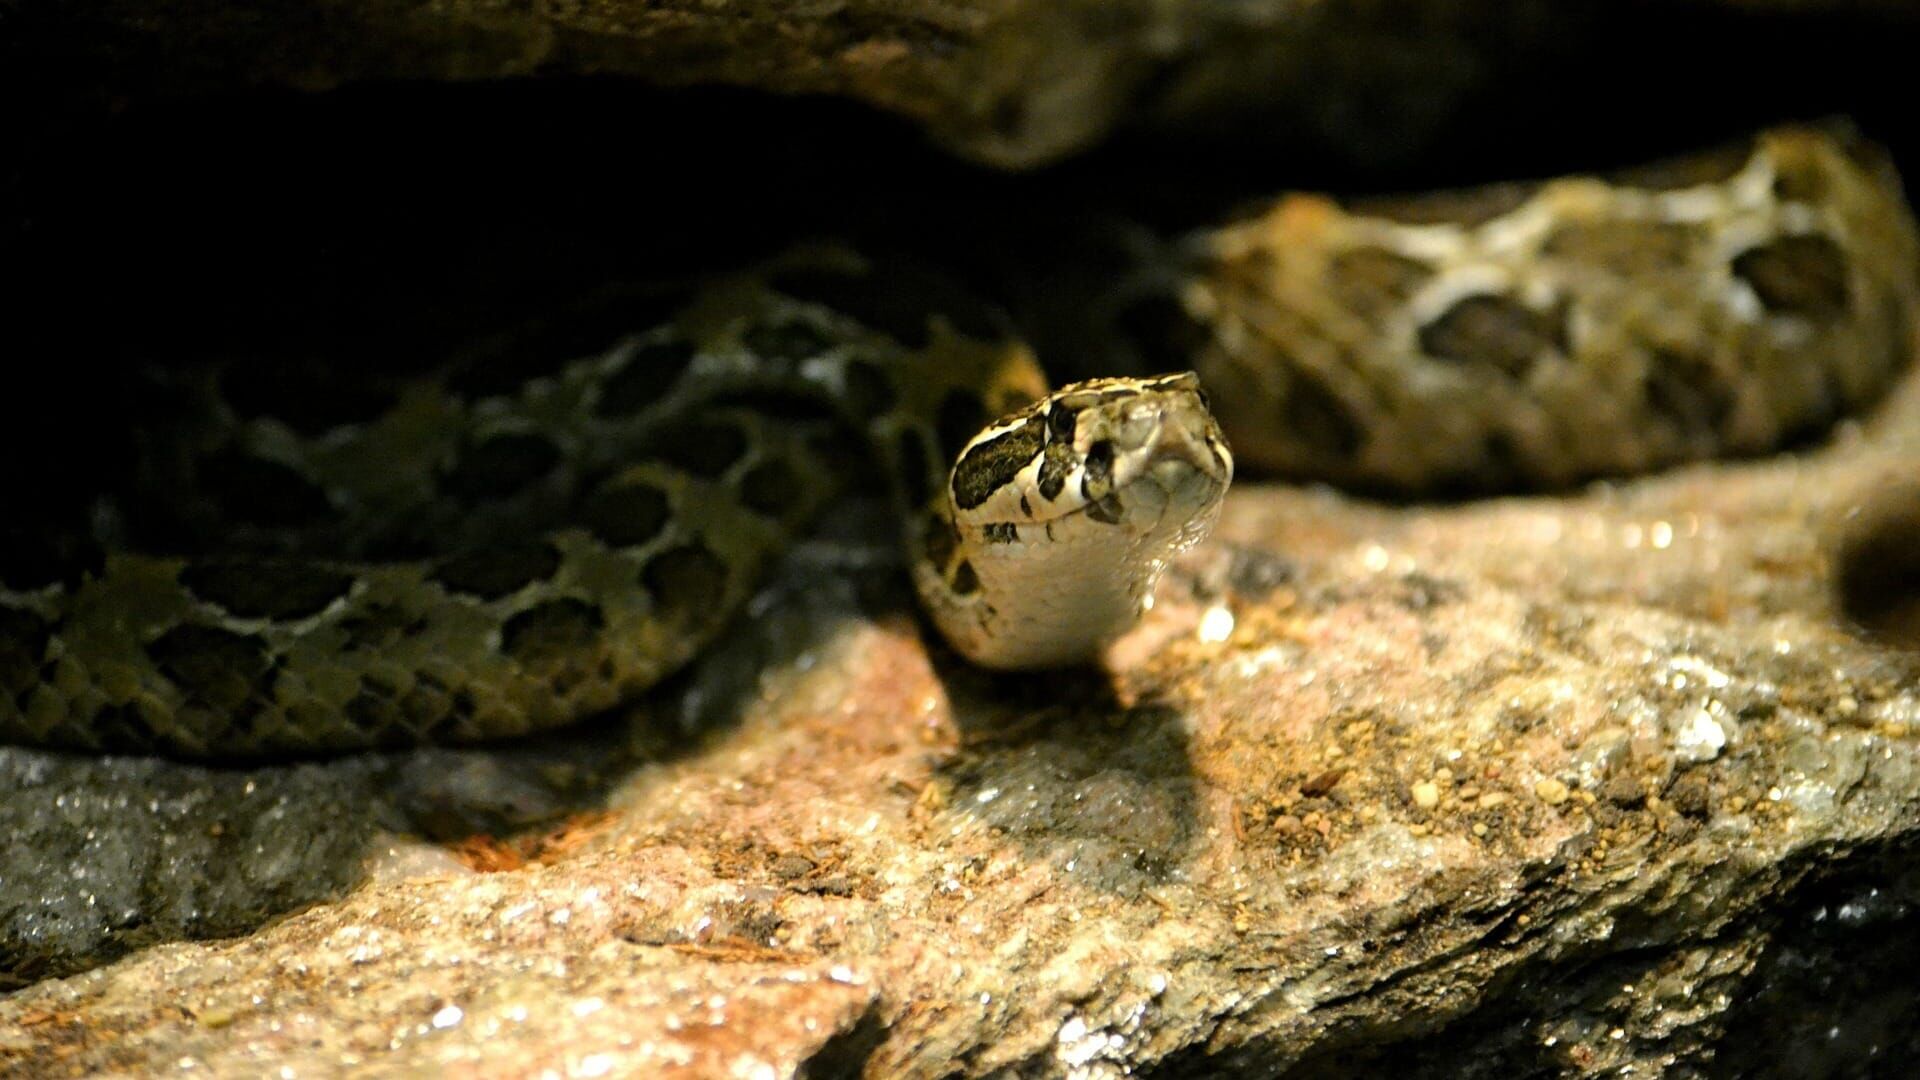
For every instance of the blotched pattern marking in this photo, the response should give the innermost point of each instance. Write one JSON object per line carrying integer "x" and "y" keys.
{"x": 773, "y": 488}
{"x": 626, "y": 514}
{"x": 552, "y": 633}
{"x": 1493, "y": 330}
{"x": 218, "y": 668}
{"x": 991, "y": 465}
{"x": 498, "y": 570}
{"x": 310, "y": 400}
{"x": 688, "y": 581}
{"x": 375, "y": 628}
{"x": 789, "y": 341}
{"x": 501, "y": 465}
{"x": 265, "y": 589}
{"x": 938, "y": 540}
{"x": 1804, "y": 275}
{"x": 505, "y": 368}
{"x": 262, "y": 492}
{"x": 1691, "y": 393}
{"x": 640, "y": 377}
{"x": 1374, "y": 282}
{"x": 23, "y": 648}
{"x": 703, "y": 447}
{"x": 638, "y": 381}
{"x": 966, "y": 581}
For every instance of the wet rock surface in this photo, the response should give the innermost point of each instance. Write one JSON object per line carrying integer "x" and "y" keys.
{"x": 1625, "y": 777}
{"x": 104, "y": 855}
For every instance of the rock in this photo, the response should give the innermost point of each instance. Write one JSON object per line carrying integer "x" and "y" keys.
{"x": 878, "y": 861}
{"x": 1010, "y": 82}
{"x": 105, "y": 856}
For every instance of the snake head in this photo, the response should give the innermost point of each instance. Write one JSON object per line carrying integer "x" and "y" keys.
{"x": 1066, "y": 513}
{"x": 1146, "y": 446}
{"x": 1120, "y": 451}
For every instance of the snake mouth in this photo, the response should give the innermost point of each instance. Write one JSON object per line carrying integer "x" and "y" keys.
{"x": 1186, "y": 447}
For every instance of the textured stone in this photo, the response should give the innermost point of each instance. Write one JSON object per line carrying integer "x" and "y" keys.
{"x": 103, "y": 856}
{"x": 1013, "y": 82}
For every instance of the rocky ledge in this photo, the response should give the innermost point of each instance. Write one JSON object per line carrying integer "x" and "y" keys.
{"x": 1009, "y": 82}
{"x": 1627, "y": 779}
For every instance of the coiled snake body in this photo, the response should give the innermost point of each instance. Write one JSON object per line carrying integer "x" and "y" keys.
{"x": 501, "y": 550}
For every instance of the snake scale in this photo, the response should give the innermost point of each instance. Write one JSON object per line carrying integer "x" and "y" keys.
{"x": 520, "y": 540}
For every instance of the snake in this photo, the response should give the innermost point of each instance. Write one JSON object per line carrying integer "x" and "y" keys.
{"x": 527, "y": 536}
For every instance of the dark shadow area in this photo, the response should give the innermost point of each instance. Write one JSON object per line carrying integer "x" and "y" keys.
{"x": 382, "y": 226}
{"x": 379, "y": 223}
{"x": 845, "y": 1055}
{"x": 1100, "y": 789}
{"x": 388, "y": 228}
{"x": 1833, "y": 994}
{"x": 1585, "y": 87}
{"x": 1814, "y": 987}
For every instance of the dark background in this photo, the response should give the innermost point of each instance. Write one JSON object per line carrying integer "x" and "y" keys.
{"x": 387, "y": 224}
